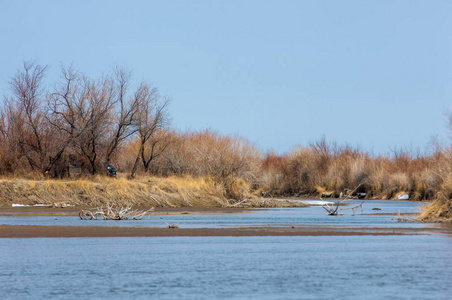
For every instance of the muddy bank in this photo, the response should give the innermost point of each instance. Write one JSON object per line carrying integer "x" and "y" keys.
{"x": 30, "y": 231}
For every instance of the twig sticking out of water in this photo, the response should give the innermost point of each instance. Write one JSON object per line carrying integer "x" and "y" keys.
{"x": 172, "y": 226}
{"x": 354, "y": 208}
{"x": 334, "y": 210}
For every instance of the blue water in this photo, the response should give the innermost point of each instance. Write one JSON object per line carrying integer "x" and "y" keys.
{"x": 314, "y": 215}
{"x": 333, "y": 267}
{"x": 341, "y": 267}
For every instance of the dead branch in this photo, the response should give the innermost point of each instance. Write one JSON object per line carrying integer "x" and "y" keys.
{"x": 333, "y": 210}
{"x": 111, "y": 212}
{"x": 238, "y": 203}
{"x": 399, "y": 218}
{"x": 172, "y": 226}
{"x": 86, "y": 215}
{"x": 354, "y": 208}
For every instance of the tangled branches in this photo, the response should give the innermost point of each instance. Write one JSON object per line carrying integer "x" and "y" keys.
{"x": 333, "y": 210}
{"x": 110, "y": 212}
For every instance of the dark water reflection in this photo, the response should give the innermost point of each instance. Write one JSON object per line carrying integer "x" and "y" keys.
{"x": 341, "y": 267}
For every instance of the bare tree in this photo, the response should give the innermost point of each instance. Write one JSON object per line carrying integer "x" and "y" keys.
{"x": 125, "y": 113}
{"x": 85, "y": 118}
{"x": 26, "y": 110}
{"x": 97, "y": 116}
{"x": 157, "y": 144}
{"x": 65, "y": 108}
{"x": 151, "y": 118}
{"x": 11, "y": 123}
{"x": 95, "y": 119}
{"x": 81, "y": 108}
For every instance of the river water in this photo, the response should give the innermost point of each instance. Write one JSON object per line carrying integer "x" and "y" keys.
{"x": 333, "y": 267}
{"x": 314, "y": 215}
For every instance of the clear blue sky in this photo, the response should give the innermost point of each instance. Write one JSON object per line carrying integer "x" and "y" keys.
{"x": 281, "y": 73}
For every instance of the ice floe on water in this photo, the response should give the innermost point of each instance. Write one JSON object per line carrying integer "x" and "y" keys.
{"x": 309, "y": 202}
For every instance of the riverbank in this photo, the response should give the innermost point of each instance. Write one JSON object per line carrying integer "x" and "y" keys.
{"x": 145, "y": 192}
{"x": 149, "y": 191}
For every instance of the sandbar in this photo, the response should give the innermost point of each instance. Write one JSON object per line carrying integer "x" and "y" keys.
{"x": 29, "y": 231}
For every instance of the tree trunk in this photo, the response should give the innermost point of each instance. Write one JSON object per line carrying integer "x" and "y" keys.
{"x": 137, "y": 161}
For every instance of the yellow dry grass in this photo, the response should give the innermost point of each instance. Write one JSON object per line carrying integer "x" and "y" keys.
{"x": 440, "y": 210}
{"x": 146, "y": 191}
{"x": 437, "y": 211}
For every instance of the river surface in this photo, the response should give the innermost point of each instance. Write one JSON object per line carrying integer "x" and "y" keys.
{"x": 324, "y": 267}
{"x": 314, "y": 215}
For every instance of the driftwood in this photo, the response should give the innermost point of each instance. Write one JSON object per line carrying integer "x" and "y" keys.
{"x": 172, "y": 226}
{"x": 333, "y": 209}
{"x": 400, "y": 218}
{"x": 111, "y": 212}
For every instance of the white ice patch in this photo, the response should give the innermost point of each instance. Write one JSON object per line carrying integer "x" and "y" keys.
{"x": 41, "y": 205}
{"x": 25, "y": 205}
{"x": 317, "y": 202}
{"x": 403, "y": 197}
{"x": 310, "y": 202}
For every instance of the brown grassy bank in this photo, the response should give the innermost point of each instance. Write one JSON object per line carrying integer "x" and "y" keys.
{"x": 439, "y": 210}
{"x": 206, "y": 169}
{"x": 143, "y": 191}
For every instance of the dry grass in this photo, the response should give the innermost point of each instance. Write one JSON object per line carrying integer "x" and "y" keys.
{"x": 439, "y": 210}
{"x": 146, "y": 191}
{"x": 324, "y": 168}
{"x": 229, "y": 162}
